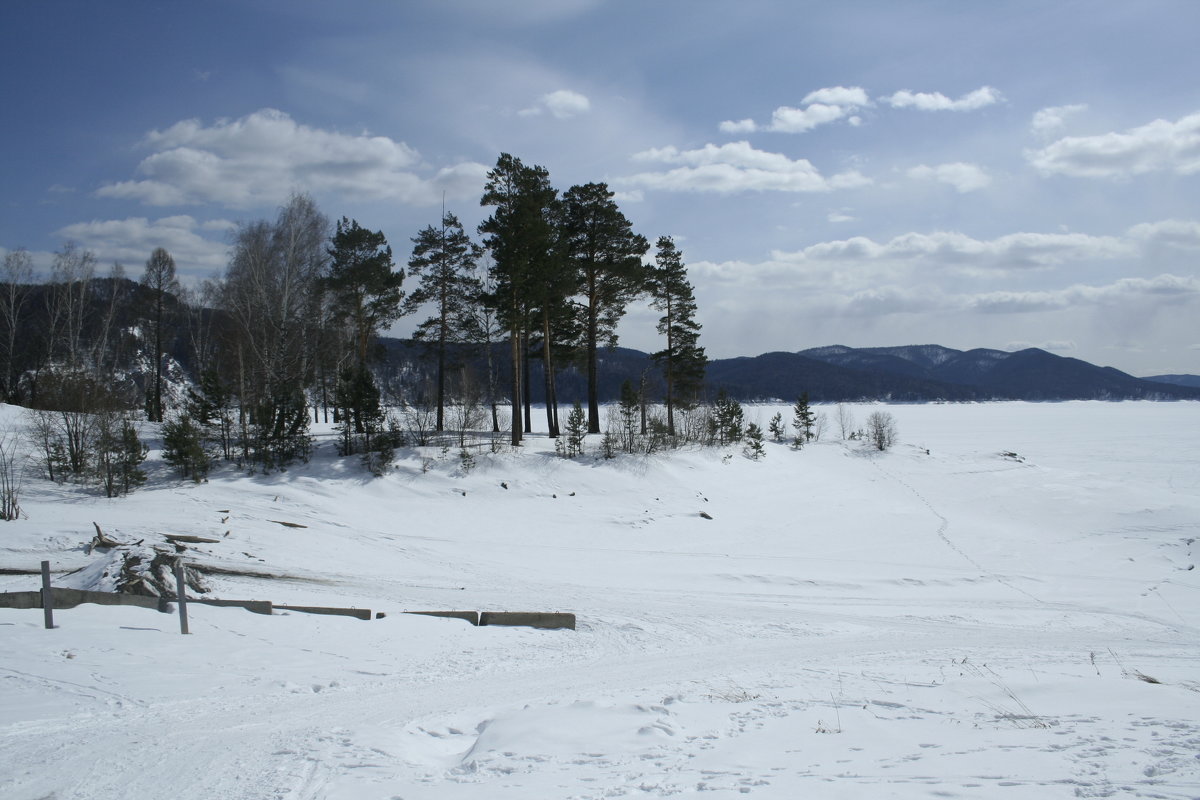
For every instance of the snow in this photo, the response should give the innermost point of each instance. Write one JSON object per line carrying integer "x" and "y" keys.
{"x": 977, "y": 613}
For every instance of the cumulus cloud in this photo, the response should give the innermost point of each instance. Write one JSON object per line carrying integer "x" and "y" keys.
{"x": 1049, "y": 121}
{"x": 130, "y": 241}
{"x": 798, "y": 120}
{"x": 962, "y": 176}
{"x": 1160, "y": 146}
{"x": 875, "y": 302}
{"x": 936, "y": 101}
{"x": 738, "y": 126}
{"x": 819, "y": 107}
{"x": 259, "y": 159}
{"x": 1174, "y": 232}
{"x": 736, "y": 167}
{"x": 562, "y": 104}
{"x": 1013, "y": 251}
{"x": 849, "y": 96}
{"x": 1117, "y": 294}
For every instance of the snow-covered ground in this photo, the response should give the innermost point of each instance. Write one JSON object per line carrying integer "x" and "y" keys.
{"x": 941, "y": 620}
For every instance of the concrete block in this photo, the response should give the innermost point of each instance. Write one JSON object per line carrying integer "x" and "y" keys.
{"x": 69, "y": 598}
{"x": 528, "y": 619}
{"x": 470, "y": 616}
{"x": 358, "y": 613}
{"x": 254, "y": 606}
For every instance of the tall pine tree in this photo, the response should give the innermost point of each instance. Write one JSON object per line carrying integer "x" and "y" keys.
{"x": 444, "y": 261}
{"x": 523, "y": 239}
{"x": 606, "y": 258}
{"x": 683, "y": 360}
{"x": 365, "y": 290}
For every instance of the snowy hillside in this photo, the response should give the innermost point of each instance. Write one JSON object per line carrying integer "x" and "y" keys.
{"x": 1004, "y": 605}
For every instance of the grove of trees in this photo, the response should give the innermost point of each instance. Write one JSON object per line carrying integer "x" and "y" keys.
{"x": 290, "y": 333}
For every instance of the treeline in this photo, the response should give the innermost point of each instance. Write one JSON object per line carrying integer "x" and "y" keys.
{"x": 288, "y": 334}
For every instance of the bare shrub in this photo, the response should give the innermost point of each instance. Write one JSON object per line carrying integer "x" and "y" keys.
{"x": 12, "y": 474}
{"x": 845, "y": 420}
{"x": 881, "y": 430}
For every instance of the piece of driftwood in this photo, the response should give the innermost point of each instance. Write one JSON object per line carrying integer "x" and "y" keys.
{"x": 183, "y": 537}
{"x": 101, "y": 540}
{"x": 287, "y": 524}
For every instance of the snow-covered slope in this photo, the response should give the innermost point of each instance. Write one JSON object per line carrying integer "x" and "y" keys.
{"x": 978, "y": 613}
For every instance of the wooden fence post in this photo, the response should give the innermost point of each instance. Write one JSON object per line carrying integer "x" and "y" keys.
{"x": 47, "y": 595}
{"x": 181, "y": 596}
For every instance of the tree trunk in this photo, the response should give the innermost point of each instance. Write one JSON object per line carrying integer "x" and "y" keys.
{"x": 528, "y": 399}
{"x": 548, "y": 369}
{"x": 515, "y": 342}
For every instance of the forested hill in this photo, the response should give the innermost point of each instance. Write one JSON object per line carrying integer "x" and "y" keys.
{"x": 920, "y": 373}
{"x": 114, "y": 332}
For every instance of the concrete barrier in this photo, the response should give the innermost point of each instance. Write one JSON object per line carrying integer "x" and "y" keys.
{"x": 470, "y": 616}
{"x": 253, "y": 606}
{"x": 359, "y": 613}
{"x": 69, "y": 598}
{"x": 528, "y": 619}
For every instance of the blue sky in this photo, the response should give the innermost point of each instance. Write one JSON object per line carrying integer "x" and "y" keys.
{"x": 1001, "y": 174}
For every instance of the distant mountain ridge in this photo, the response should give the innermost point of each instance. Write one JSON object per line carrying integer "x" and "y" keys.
{"x": 916, "y": 373}
{"x": 1178, "y": 380}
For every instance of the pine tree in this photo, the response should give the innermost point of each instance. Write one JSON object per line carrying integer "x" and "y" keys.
{"x": 775, "y": 426}
{"x": 728, "y": 419}
{"x": 210, "y": 406}
{"x": 358, "y": 402}
{"x": 365, "y": 288}
{"x": 682, "y": 360}
{"x": 605, "y": 256}
{"x": 628, "y": 411}
{"x": 119, "y": 453}
{"x": 753, "y": 449}
{"x": 522, "y": 236}
{"x": 444, "y": 261}
{"x": 803, "y": 420}
{"x": 183, "y": 447}
{"x": 576, "y": 431}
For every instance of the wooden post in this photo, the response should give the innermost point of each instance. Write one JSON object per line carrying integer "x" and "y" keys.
{"x": 47, "y": 595}
{"x": 181, "y": 596}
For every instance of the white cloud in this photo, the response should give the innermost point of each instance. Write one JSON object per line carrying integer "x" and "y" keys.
{"x": 1175, "y": 232}
{"x": 1013, "y": 251}
{"x": 963, "y": 177}
{"x": 879, "y": 301}
{"x": 1050, "y": 120}
{"x": 821, "y": 107}
{"x": 737, "y": 167}
{"x": 936, "y": 101}
{"x": 841, "y": 215}
{"x": 738, "y": 126}
{"x": 1163, "y": 287}
{"x": 259, "y": 159}
{"x": 131, "y": 241}
{"x": 798, "y": 120}
{"x": 1160, "y": 146}
{"x": 562, "y": 104}
{"x": 850, "y": 96}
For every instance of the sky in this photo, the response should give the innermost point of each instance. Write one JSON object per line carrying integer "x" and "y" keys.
{"x": 1001, "y": 174}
